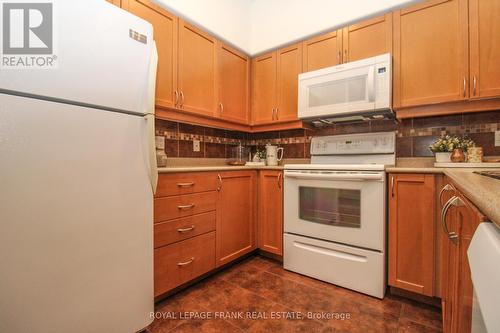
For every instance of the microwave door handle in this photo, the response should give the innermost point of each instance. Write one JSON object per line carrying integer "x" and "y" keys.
{"x": 320, "y": 176}
{"x": 371, "y": 84}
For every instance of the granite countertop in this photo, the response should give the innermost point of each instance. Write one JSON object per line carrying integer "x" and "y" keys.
{"x": 216, "y": 168}
{"x": 484, "y": 192}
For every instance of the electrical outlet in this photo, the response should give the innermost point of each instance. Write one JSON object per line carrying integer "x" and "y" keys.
{"x": 497, "y": 138}
{"x": 196, "y": 145}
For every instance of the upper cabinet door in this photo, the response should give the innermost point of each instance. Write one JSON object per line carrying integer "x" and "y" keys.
{"x": 165, "y": 35}
{"x": 197, "y": 70}
{"x": 484, "y": 48}
{"x": 431, "y": 53}
{"x": 289, "y": 62}
{"x": 367, "y": 39}
{"x": 264, "y": 88}
{"x": 234, "y": 70}
{"x": 322, "y": 51}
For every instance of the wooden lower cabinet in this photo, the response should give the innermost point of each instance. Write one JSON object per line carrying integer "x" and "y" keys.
{"x": 181, "y": 262}
{"x": 235, "y": 215}
{"x": 270, "y": 212}
{"x": 204, "y": 220}
{"x": 461, "y": 219}
{"x": 412, "y": 213}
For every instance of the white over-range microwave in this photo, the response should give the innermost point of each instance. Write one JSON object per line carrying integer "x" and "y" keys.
{"x": 358, "y": 90}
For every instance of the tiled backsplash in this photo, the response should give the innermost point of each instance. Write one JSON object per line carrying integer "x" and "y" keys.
{"x": 413, "y": 135}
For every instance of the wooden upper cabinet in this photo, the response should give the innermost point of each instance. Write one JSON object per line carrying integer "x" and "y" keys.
{"x": 263, "y": 88}
{"x": 367, "y": 39}
{"x": 270, "y": 210}
{"x": 484, "y": 48}
{"x": 165, "y": 35}
{"x": 289, "y": 66}
{"x": 412, "y": 232}
{"x": 431, "y": 53}
{"x": 322, "y": 51}
{"x": 234, "y": 68}
{"x": 197, "y": 70}
{"x": 235, "y": 215}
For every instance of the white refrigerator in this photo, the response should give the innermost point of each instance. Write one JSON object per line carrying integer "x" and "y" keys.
{"x": 77, "y": 176}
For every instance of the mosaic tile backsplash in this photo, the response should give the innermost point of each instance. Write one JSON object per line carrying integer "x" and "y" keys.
{"x": 413, "y": 135}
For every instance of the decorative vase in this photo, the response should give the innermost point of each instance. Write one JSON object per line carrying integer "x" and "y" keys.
{"x": 458, "y": 156}
{"x": 443, "y": 157}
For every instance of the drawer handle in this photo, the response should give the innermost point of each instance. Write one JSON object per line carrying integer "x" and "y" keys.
{"x": 185, "y": 184}
{"x": 185, "y": 263}
{"x": 182, "y": 230}
{"x": 184, "y": 207}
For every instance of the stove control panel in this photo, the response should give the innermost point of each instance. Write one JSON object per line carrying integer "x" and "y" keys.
{"x": 359, "y": 144}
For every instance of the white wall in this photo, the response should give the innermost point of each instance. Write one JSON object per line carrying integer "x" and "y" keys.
{"x": 229, "y": 20}
{"x": 256, "y": 26}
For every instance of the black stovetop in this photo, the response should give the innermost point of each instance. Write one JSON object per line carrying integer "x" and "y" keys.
{"x": 491, "y": 174}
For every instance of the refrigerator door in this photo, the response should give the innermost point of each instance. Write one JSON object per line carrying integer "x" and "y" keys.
{"x": 76, "y": 212}
{"x": 99, "y": 64}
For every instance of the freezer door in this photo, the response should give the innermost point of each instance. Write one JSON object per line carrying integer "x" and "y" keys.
{"x": 98, "y": 61}
{"x": 76, "y": 219}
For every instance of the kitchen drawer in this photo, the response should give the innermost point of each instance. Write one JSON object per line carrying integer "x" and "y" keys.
{"x": 177, "y": 230}
{"x": 186, "y": 183}
{"x": 169, "y": 208}
{"x": 181, "y": 262}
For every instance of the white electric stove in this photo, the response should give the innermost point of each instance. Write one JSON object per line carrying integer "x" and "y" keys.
{"x": 335, "y": 211}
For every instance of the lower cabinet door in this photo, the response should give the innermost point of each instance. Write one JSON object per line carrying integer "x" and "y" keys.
{"x": 181, "y": 262}
{"x": 235, "y": 215}
{"x": 412, "y": 232}
{"x": 270, "y": 224}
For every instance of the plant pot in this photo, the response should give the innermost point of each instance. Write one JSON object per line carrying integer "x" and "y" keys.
{"x": 458, "y": 156}
{"x": 443, "y": 157}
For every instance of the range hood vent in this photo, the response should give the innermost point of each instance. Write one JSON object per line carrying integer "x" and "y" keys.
{"x": 356, "y": 117}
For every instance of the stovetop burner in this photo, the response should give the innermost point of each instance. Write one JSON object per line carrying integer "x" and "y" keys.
{"x": 491, "y": 174}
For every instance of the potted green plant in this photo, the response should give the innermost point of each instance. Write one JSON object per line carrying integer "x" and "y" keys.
{"x": 451, "y": 148}
{"x": 443, "y": 147}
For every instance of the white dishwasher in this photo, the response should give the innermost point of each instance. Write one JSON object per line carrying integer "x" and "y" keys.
{"x": 484, "y": 261}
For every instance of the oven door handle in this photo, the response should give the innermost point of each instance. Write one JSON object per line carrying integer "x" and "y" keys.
{"x": 333, "y": 176}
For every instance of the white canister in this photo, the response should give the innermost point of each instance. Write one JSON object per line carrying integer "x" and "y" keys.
{"x": 272, "y": 153}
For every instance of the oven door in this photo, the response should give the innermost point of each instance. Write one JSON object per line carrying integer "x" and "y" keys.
{"x": 347, "y": 207}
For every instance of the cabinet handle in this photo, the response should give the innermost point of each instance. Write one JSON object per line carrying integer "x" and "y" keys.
{"x": 185, "y": 184}
{"x": 273, "y": 113}
{"x": 183, "y": 230}
{"x": 339, "y": 56}
{"x": 176, "y": 94}
{"x": 446, "y": 188}
{"x": 182, "y": 99}
{"x": 475, "y": 85}
{"x": 465, "y": 86}
{"x": 184, "y": 207}
{"x": 280, "y": 175}
{"x": 345, "y": 56}
{"x": 221, "y": 106}
{"x": 185, "y": 263}
{"x": 392, "y": 186}
{"x": 220, "y": 182}
{"x": 277, "y": 113}
{"x": 454, "y": 201}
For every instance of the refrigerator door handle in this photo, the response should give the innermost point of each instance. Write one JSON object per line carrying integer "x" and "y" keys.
{"x": 150, "y": 119}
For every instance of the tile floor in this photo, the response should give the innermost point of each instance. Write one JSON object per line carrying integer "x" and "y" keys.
{"x": 261, "y": 288}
